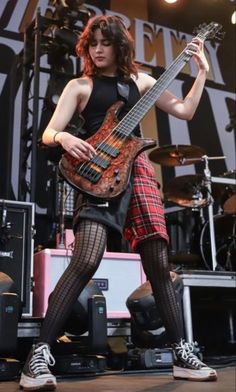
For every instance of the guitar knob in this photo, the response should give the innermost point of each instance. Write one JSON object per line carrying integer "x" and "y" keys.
{"x": 116, "y": 172}
{"x": 118, "y": 179}
{"x": 111, "y": 189}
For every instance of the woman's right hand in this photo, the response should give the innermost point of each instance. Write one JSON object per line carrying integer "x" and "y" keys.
{"x": 76, "y": 147}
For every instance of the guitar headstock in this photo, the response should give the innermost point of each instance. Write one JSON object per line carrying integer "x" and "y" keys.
{"x": 209, "y": 31}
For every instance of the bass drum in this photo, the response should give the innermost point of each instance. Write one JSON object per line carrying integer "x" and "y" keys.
{"x": 225, "y": 241}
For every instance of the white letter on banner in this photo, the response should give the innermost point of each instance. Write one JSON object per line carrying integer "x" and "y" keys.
{"x": 221, "y": 115}
{"x": 140, "y": 34}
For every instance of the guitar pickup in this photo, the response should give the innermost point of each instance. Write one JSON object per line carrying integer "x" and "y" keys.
{"x": 108, "y": 149}
{"x": 103, "y": 163}
{"x": 91, "y": 174}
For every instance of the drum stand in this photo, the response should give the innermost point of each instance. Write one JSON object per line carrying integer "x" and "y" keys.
{"x": 208, "y": 182}
{"x": 210, "y": 210}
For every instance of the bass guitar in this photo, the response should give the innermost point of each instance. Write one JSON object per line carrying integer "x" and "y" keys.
{"x": 107, "y": 174}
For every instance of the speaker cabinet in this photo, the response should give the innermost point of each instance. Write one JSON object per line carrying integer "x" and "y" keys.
{"x": 117, "y": 276}
{"x": 16, "y": 248}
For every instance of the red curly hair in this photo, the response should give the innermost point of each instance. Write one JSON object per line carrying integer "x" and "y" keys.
{"x": 114, "y": 30}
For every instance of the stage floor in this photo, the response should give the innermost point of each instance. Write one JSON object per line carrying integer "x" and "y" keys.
{"x": 141, "y": 381}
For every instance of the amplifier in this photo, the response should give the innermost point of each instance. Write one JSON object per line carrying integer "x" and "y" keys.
{"x": 118, "y": 275}
{"x": 16, "y": 248}
{"x": 149, "y": 359}
{"x": 74, "y": 364}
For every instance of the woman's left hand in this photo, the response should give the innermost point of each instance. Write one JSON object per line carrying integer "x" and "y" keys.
{"x": 196, "y": 48}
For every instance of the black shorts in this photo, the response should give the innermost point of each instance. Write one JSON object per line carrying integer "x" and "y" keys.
{"x": 111, "y": 213}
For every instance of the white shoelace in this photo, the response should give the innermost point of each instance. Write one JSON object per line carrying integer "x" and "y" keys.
{"x": 185, "y": 351}
{"x": 41, "y": 359}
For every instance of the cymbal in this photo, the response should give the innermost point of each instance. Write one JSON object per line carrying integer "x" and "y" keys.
{"x": 175, "y": 155}
{"x": 187, "y": 191}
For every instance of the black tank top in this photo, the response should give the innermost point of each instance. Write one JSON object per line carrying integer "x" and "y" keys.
{"x": 103, "y": 95}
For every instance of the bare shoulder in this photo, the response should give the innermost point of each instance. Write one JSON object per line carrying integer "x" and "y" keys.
{"x": 79, "y": 84}
{"x": 144, "y": 82}
{"x": 80, "y": 90}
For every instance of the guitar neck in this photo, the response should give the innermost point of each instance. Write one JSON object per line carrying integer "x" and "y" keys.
{"x": 136, "y": 114}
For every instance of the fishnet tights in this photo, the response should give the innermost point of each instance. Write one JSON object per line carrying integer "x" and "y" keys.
{"x": 154, "y": 258}
{"x": 90, "y": 242}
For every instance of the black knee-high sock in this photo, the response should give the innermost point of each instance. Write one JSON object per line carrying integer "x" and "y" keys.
{"x": 90, "y": 242}
{"x": 154, "y": 258}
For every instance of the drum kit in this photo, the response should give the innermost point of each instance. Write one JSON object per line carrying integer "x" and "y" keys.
{"x": 217, "y": 242}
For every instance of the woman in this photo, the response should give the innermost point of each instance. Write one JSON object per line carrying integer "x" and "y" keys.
{"x": 110, "y": 74}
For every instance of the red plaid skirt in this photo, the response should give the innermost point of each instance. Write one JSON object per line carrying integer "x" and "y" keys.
{"x": 145, "y": 215}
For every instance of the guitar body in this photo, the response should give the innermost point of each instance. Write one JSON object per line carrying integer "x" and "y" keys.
{"x": 113, "y": 163}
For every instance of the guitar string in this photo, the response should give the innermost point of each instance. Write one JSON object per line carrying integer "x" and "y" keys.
{"x": 151, "y": 91}
{"x": 132, "y": 116}
{"x": 121, "y": 127}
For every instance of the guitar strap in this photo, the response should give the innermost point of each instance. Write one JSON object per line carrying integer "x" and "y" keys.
{"x": 123, "y": 90}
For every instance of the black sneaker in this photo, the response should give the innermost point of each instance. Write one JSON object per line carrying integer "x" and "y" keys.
{"x": 35, "y": 375}
{"x": 188, "y": 366}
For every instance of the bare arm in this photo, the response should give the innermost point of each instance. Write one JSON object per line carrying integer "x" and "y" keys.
{"x": 183, "y": 108}
{"x": 70, "y": 100}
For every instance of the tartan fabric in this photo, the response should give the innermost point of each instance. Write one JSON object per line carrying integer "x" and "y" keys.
{"x": 145, "y": 216}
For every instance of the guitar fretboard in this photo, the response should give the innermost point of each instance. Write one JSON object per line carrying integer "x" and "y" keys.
{"x": 136, "y": 114}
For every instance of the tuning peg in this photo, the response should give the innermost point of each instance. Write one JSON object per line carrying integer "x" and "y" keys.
{"x": 210, "y": 31}
{"x": 199, "y": 28}
{"x": 220, "y": 35}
